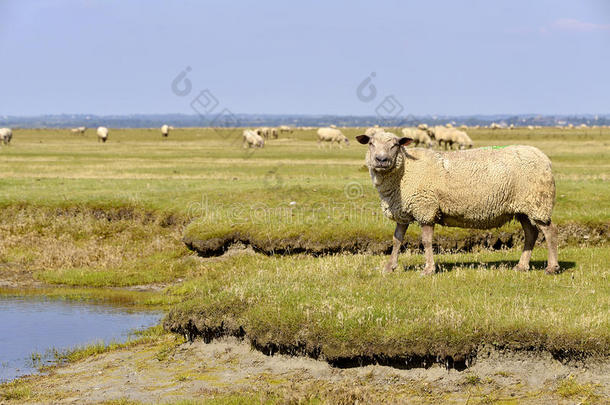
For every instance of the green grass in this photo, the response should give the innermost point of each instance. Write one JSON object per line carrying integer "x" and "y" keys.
{"x": 91, "y": 217}
{"x": 340, "y": 306}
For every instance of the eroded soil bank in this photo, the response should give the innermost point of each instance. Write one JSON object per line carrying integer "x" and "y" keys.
{"x": 569, "y": 234}
{"x": 230, "y": 369}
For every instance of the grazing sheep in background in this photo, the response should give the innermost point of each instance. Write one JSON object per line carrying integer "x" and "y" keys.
{"x": 479, "y": 188}
{"x": 285, "y": 128}
{"x": 79, "y": 130}
{"x": 263, "y": 131}
{"x": 493, "y": 125}
{"x": 448, "y": 125}
{"x": 373, "y": 130}
{"x": 530, "y": 127}
{"x": 102, "y": 134}
{"x": 331, "y": 135}
{"x": 423, "y": 127}
{"x": 442, "y": 136}
{"x": 165, "y": 130}
{"x": 462, "y": 140}
{"x": 419, "y": 137}
{"x": 511, "y": 126}
{"x": 273, "y": 132}
{"x": 332, "y": 126}
{"x": 583, "y": 126}
{"x": 252, "y": 139}
{"x": 6, "y": 134}
{"x": 463, "y": 127}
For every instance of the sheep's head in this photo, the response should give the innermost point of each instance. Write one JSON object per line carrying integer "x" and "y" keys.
{"x": 384, "y": 148}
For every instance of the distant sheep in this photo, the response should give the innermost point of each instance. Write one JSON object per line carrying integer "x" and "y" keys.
{"x": 6, "y": 134}
{"x": 332, "y": 135}
{"x": 419, "y": 137}
{"x": 285, "y": 128}
{"x": 373, "y": 130}
{"x": 423, "y": 127}
{"x": 79, "y": 130}
{"x": 252, "y": 139}
{"x": 165, "y": 130}
{"x": 479, "y": 188}
{"x": 102, "y": 134}
{"x": 494, "y": 125}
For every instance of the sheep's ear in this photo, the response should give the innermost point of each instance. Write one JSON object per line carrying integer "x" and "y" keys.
{"x": 363, "y": 139}
{"x": 404, "y": 141}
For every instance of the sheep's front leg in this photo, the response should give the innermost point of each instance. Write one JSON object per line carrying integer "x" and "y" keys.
{"x": 399, "y": 235}
{"x": 427, "y": 231}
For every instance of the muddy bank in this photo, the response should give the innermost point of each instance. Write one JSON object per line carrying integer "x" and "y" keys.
{"x": 403, "y": 355}
{"x": 569, "y": 234}
{"x": 228, "y": 370}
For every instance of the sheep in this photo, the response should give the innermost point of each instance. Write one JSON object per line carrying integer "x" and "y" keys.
{"x": 331, "y": 135}
{"x": 79, "y": 130}
{"x": 423, "y": 127}
{"x": 418, "y": 136}
{"x": 373, "y": 130}
{"x": 263, "y": 131}
{"x": 273, "y": 132}
{"x": 530, "y": 127}
{"x": 285, "y": 128}
{"x": 165, "y": 130}
{"x": 102, "y": 134}
{"x": 442, "y": 135}
{"x": 479, "y": 188}
{"x": 463, "y": 140}
{"x": 6, "y": 134}
{"x": 494, "y": 125}
{"x": 252, "y": 139}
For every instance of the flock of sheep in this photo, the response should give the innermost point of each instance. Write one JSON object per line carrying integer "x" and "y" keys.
{"x": 255, "y": 138}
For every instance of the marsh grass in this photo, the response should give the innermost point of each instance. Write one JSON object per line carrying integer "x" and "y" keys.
{"x": 340, "y": 306}
{"x": 92, "y": 217}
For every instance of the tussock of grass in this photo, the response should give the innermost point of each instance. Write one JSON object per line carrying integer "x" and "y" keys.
{"x": 341, "y": 307}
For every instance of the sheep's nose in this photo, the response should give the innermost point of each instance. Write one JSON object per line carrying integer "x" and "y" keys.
{"x": 382, "y": 159}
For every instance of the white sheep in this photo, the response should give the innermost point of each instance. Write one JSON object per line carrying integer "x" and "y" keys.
{"x": 419, "y": 137}
{"x": 442, "y": 135}
{"x": 79, "y": 130}
{"x": 165, "y": 130}
{"x": 423, "y": 127}
{"x": 331, "y": 135}
{"x": 372, "y": 130}
{"x": 6, "y": 134}
{"x": 102, "y": 134}
{"x": 285, "y": 128}
{"x": 479, "y": 188}
{"x": 462, "y": 140}
{"x": 252, "y": 139}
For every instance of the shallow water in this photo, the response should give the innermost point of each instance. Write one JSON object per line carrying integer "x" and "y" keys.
{"x": 29, "y": 325}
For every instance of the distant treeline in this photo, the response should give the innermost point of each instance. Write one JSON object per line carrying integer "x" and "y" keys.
{"x": 252, "y": 120}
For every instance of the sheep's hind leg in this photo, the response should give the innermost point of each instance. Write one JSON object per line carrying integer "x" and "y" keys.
{"x": 531, "y": 234}
{"x": 550, "y": 234}
{"x": 399, "y": 234}
{"x": 427, "y": 231}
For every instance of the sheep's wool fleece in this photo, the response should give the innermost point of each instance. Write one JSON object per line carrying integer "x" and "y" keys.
{"x": 478, "y": 188}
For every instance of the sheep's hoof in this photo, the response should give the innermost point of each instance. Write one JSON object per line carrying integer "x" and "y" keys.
{"x": 388, "y": 268}
{"x": 429, "y": 270}
{"x": 521, "y": 267}
{"x": 552, "y": 269}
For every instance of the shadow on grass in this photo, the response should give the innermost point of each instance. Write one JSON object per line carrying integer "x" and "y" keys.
{"x": 535, "y": 265}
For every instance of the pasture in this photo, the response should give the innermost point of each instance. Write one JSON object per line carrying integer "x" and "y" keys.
{"x": 283, "y": 245}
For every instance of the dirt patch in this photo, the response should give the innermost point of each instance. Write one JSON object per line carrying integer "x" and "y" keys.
{"x": 569, "y": 234}
{"x": 154, "y": 373}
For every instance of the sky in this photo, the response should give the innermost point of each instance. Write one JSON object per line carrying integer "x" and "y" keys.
{"x": 312, "y": 57}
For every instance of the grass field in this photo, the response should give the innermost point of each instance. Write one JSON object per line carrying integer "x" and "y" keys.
{"x": 89, "y": 217}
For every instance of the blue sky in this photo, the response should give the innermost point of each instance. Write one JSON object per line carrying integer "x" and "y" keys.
{"x": 434, "y": 57}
